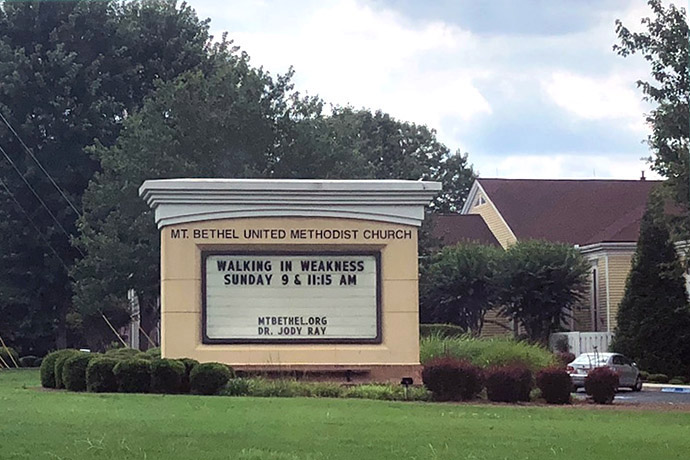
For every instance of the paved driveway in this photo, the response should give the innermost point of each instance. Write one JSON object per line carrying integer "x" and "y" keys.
{"x": 647, "y": 397}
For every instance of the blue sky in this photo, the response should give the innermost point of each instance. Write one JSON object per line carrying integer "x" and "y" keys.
{"x": 528, "y": 88}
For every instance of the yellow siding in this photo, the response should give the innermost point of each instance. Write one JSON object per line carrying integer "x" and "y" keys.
{"x": 619, "y": 267}
{"x": 494, "y": 221}
{"x": 491, "y": 329}
{"x": 582, "y": 313}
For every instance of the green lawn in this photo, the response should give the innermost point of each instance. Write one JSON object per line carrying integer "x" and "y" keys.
{"x": 38, "y": 424}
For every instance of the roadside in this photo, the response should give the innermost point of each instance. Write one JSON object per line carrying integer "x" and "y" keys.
{"x": 666, "y": 388}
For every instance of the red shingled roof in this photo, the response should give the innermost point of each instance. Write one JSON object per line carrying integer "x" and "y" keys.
{"x": 452, "y": 229}
{"x": 571, "y": 211}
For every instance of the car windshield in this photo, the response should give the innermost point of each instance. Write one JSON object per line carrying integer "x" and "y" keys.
{"x": 595, "y": 360}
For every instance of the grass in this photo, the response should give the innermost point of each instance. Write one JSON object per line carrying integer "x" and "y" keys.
{"x": 37, "y": 424}
{"x": 486, "y": 352}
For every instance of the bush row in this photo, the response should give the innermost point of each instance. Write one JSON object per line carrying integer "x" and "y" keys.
{"x": 129, "y": 372}
{"x": 451, "y": 379}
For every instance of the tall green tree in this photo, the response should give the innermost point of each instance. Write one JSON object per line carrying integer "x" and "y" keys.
{"x": 353, "y": 143}
{"x": 231, "y": 121}
{"x": 460, "y": 285}
{"x": 219, "y": 123}
{"x": 653, "y": 320}
{"x": 542, "y": 282}
{"x": 664, "y": 44}
{"x": 70, "y": 73}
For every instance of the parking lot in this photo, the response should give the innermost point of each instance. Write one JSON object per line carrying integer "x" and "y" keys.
{"x": 647, "y": 396}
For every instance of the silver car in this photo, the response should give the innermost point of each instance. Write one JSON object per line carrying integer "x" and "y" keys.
{"x": 628, "y": 373}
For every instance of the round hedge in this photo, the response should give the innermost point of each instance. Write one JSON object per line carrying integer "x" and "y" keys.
{"x": 189, "y": 364}
{"x": 133, "y": 376}
{"x": 62, "y": 357}
{"x": 167, "y": 376}
{"x": 99, "y": 375}
{"x": 452, "y": 379}
{"x": 122, "y": 353}
{"x": 74, "y": 371}
{"x": 555, "y": 385}
{"x": 153, "y": 352}
{"x": 209, "y": 378}
{"x": 601, "y": 384}
{"x": 47, "y": 370}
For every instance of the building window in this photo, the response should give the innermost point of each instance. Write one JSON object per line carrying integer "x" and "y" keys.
{"x": 479, "y": 201}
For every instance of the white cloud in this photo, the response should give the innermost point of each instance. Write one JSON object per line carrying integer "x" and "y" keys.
{"x": 594, "y": 98}
{"x": 437, "y": 73}
{"x": 351, "y": 53}
{"x": 566, "y": 166}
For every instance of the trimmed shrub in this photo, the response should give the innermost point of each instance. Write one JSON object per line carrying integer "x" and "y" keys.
{"x": 451, "y": 379}
{"x": 555, "y": 385}
{"x": 6, "y": 356}
{"x": 166, "y": 376}
{"x": 508, "y": 384}
{"x": 133, "y": 376}
{"x": 644, "y": 375}
{"x": 486, "y": 353}
{"x": 60, "y": 363}
{"x": 658, "y": 378}
{"x": 99, "y": 375}
{"x": 28, "y": 361}
{"x": 564, "y": 358}
{"x": 677, "y": 381}
{"x": 122, "y": 353}
{"x": 189, "y": 364}
{"x": 153, "y": 352}
{"x": 440, "y": 330}
{"x": 47, "y": 370}
{"x": 74, "y": 371}
{"x": 209, "y": 378}
{"x": 601, "y": 384}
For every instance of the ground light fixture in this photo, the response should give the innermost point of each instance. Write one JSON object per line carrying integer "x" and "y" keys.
{"x": 406, "y": 382}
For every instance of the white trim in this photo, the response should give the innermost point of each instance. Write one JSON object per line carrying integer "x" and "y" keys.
{"x": 470, "y": 198}
{"x": 489, "y": 201}
{"x": 177, "y": 201}
{"x": 607, "y": 247}
{"x": 608, "y": 296}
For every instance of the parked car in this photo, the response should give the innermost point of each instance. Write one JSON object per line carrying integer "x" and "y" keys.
{"x": 628, "y": 373}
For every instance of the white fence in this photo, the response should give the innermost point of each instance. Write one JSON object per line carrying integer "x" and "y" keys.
{"x": 583, "y": 342}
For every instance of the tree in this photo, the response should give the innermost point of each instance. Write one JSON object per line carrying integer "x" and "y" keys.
{"x": 653, "y": 320}
{"x": 541, "y": 282}
{"x": 461, "y": 285}
{"x": 665, "y": 46}
{"x": 70, "y": 72}
{"x": 219, "y": 123}
{"x": 230, "y": 121}
{"x": 360, "y": 144}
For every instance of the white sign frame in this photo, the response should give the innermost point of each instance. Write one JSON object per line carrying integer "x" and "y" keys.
{"x": 206, "y": 339}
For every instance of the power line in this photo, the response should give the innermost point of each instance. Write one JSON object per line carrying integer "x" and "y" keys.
{"x": 14, "y": 166}
{"x": 38, "y": 231}
{"x": 31, "y": 154}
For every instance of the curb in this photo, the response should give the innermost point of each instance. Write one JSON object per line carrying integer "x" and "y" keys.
{"x": 665, "y": 388}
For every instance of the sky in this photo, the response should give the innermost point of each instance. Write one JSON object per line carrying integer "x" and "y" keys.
{"x": 527, "y": 88}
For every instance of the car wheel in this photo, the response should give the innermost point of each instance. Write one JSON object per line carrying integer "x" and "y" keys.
{"x": 638, "y": 384}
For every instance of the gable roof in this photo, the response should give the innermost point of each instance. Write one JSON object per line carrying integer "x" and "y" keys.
{"x": 452, "y": 229}
{"x": 571, "y": 211}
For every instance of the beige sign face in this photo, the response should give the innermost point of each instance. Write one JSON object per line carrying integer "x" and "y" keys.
{"x": 291, "y": 297}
